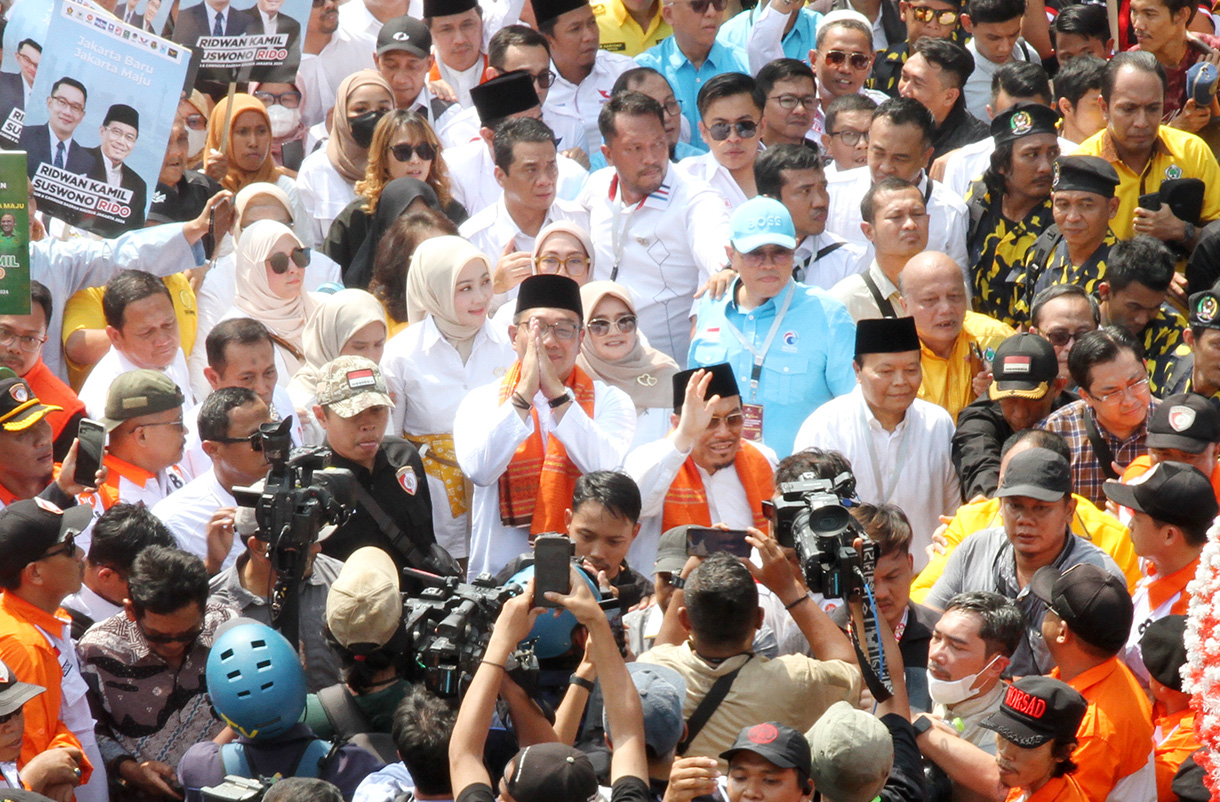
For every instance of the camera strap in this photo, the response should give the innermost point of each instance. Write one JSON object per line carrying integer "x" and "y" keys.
{"x": 883, "y": 304}
{"x": 1101, "y": 449}
{"x": 431, "y": 560}
{"x": 707, "y": 706}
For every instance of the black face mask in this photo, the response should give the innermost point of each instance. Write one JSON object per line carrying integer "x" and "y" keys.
{"x": 362, "y": 126}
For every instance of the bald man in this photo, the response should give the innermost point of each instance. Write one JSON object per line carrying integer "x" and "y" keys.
{"x": 956, "y": 344}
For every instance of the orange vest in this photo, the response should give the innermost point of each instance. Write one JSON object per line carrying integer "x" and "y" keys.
{"x": 686, "y": 501}
{"x": 49, "y": 389}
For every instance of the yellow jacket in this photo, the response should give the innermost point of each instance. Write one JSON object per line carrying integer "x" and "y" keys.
{"x": 948, "y": 383}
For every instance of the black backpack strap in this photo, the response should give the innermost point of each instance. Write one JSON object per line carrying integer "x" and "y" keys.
{"x": 707, "y": 706}
{"x": 345, "y": 716}
{"x": 828, "y": 250}
{"x": 1101, "y": 449}
{"x": 883, "y": 303}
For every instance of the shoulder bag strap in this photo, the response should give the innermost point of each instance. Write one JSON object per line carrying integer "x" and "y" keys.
{"x": 414, "y": 555}
{"x": 705, "y": 709}
{"x": 883, "y": 304}
{"x": 1101, "y": 449}
{"x": 828, "y": 250}
{"x": 344, "y": 715}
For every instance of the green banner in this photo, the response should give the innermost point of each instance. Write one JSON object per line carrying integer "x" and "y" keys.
{"x": 14, "y": 235}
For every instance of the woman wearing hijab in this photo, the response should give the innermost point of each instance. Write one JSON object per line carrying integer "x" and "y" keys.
{"x": 561, "y": 247}
{"x": 350, "y": 322}
{"x": 271, "y": 266}
{"x": 449, "y": 348}
{"x": 401, "y": 196}
{"x": 195, "y": 111}
{"x": 328, "y": 176}
{"x": 283, "y": 102}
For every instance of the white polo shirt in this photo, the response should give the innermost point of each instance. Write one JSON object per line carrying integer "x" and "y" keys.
{"x": 585, "y": 100}
{"x": 473, "y": 180}
{"x": 97, "y": 387}
{"x": 705, "y": 168}
{"x": 186, "y": 513}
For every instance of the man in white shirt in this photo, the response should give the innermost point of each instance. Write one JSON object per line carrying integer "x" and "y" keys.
{"x": 584, "y": 73}
{"x": 143, "y": 332}
{"x": 898, "y": 445}
{"x": 145, "y": 438}
{"x": 900, "y": 145}
{"x": 729, "y": 122}
{"x": 793, "y": 175}
{"x": 685, "y": 478}
{"x": 404, "y": 58}
{"x": 328, "y": 55}
{"x": 457, "y": 36}
{"x": 654, "y": 229}
{"x": 525, "y": 439}
{"x": 995, "y": 28}
{"x": 201, "y": 514}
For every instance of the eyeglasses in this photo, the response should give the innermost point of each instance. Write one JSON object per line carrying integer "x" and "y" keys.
{"x": 544, "y": 79}
{"x": 790, "y": 102}
{"x": 851, "y": 137}
{"x": 255, "y": 440}
{"x": 279, "y": 261}
{"x": 773, "y": 254}
{"x": 701, "y": 6}
{"x": 25, "y": 342}
{"x": 67, "y": 546}
{"x": 404, "y": 151}
{"x": 563, "y": 330}
{"x": 118, "y": 133}
{"x": 672, "y": 107}
{"x": 601, "y": 327}
{"x": 1057, "y": 338}
{"x": 1134, "y": 390}
{"x": 746, "y": 129}
{"x": 925, "y": 14}
{"x": 196, "y": 122}
{"x": 734, "y": 421}
{"x": 837, "y": 58}
{"x": 573, "y": 265}
{"x": 176, "y": 423}
{"x": 190, "y": 636}
{"x": 77, "y": 108}
{"x": 289, "y": 100}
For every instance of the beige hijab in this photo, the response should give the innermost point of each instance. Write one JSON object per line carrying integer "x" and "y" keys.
{"x": 645, "y": 374}
{"x": 347, "y": 157}
{"x": 251, "y": 191}
{"x": 332, "y": 324}
{"x": 431, "y": 282}
{"x": 565, "y": 227}
{"x": 286, "y": 318}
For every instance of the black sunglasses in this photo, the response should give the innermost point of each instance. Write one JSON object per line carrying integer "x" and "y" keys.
{"x": 403, "y": 152}
{"x": 279, "y": 261}
{"x": 163, "y": 639}
{"x": 66, "y": 546}
{"x": 255, "y": 440}
{"x": 746, "y": 129}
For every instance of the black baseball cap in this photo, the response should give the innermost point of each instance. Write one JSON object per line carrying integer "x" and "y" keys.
{"x": 406, "y": 34}
{"x": 1094, "y": 603}
{"x": 1172, "y": 492}
{"x": 1163, "y": 647}
{"x": 552, "y": 772}
{"x": 1084, "y": 174}
{"x": 29, "y": 529}
{"x": 1022, "y": 119}
{"x": 1186, "y": 421}
{"x": 1036, "y": 710}
{"x": 1036, "y": 473}
{"x": 778, "y": 743}
{"x": 1025, "y": 366}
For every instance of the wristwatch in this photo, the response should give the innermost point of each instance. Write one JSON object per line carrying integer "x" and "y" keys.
{"x": 553, "y": 403}
{"x": 676, "y": 582}
{"x": 581, "y": 682}
{"x": 921, "y": 725}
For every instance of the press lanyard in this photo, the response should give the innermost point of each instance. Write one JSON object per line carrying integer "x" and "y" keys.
{"x": 876, "y": 465}
{"x": 618, "y": 238}
{"x": 760, "y": 355}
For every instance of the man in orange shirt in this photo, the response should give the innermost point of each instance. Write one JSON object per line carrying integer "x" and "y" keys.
{"x": 1087, "y": 621}
{"x": 1164, "y": 651}
{"x": 1172, "y": 508}
{"x": 1184, "y": 428}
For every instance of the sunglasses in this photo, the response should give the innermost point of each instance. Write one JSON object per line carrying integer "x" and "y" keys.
{"x": 165, "y": 639}
{"x": 746, "y": 129}
{"x": 836, "y": 58}
{"x": 544, "y": 79}
{"x": 601, "y": 327}
{"x": 1061, "y": 337}
{"x": 926, "y": 15}
{"x": 279, "y": 261}
{"x": 701, "y": 6}
{"x": 255, "y": 440}
{"x": 404, "y": 152}
{"x": 67, "y": 547}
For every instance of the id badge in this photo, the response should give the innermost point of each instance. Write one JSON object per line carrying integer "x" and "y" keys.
{"x": 752, "y": 428}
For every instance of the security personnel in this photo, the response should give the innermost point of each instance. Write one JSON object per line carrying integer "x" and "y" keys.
{"x": 1199, "y": 370}
{"x": 1075, "y": 248}
{"x": 392, "y": 502}
{"x": 1010, "y": 206}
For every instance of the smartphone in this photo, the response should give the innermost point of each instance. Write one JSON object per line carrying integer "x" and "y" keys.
{"x": 92, "y": 438}
{"x": 552, "y": 565}
{"x": 704, "y": 541}
{"x": 1151, "y": 201}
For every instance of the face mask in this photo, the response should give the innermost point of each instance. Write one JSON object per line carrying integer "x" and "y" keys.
{"x": 283, "y": 121}
{"x": 950, "y": 692}
{"x": 363, "y": 125}
{"x": 196, "y": 140}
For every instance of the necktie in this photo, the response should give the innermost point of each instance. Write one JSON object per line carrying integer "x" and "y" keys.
{"x": 59, "y": 155}
{"x": 218, "y": 29}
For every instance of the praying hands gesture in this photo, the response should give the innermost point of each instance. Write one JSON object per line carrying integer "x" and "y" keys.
{"x": 538, "y": 373}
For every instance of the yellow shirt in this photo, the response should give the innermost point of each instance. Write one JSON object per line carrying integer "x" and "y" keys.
{"x": 948, "y": 382}
{"x": 620, "y": 33}
{"x": 1098, "y": 527}
{"x": 84, "y": 311}
{"x": 1177, "y": 154}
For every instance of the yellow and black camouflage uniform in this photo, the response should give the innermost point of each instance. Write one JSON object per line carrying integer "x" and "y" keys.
{"x": 1048, "y": 263}
{"x": 997, "y": 249}
{"x": 887, "y": 68}
{"x": 1163, "y": 346}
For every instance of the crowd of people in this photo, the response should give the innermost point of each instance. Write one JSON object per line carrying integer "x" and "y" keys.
{"x": 649, "y": 275}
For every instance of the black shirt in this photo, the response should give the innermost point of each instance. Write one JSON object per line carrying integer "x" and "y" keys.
{"x": 906, "y": 777}
{"x": 398, "y": 485}
{"x": 959, "y": 128}
{"x": 625, "y": 789}
{"x": 183, "y": 201}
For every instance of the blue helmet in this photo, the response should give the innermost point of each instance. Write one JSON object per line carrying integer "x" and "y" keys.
{"x": 553, "y": 628}
{"x": 255, "y": 680}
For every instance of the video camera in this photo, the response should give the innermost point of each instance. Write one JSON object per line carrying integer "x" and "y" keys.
{"x": 811, "y": 517}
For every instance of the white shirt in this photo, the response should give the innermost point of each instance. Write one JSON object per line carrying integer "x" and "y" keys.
{"x": 460, "y": 126}
{"x": 674, "y": 241}
{"x": 74, "y": 713}
{"x": 423, "y": 107}
{"x": 487, "y": 433}
{"x": 912, "y": 462}
{"x": 462, "y": 81}
{"x": 845, "y": 260}
{"x": 148, "y": 492}
{"x": 270, "y": 22}
{"x": 324, "y": 193}
{"x": 427, "y": 380}
{"x": 186, "y": 513}
{"x": 360, "y": 25}
{"x": 320, "y": 73}
{"x": 705, "y": 168}
{"x": 491, "y": 229}
{"x": 654, "y": 466}
{"x": 967, "y": 164}
{"x": 91, "y": 604}
{"x": 195, "y": 462}
{"x": 947, "y": 215}
{"x": 473, "y": 180}
{"x": 978, "y": 86}
{"x": 114, "y": 171}
{"x": 585, "y": 100}
{"x": 853, "y": 293}
{"x": 96, "y": 388}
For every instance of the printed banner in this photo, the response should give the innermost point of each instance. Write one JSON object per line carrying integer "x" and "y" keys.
{"x": 14, "y": 236}
{"x": 243, "y": 40}
{"x": 24, "y": 36}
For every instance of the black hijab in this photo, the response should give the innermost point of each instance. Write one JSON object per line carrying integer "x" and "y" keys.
{"x": 395, "y": 197}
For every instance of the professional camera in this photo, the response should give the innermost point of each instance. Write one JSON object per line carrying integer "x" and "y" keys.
{"x": 810, "y": 516}
{"x": 447, "y": 624}
{"x": 300, "y": 496}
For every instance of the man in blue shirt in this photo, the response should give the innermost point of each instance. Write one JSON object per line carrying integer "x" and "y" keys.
{"x": 692, "y": 56}
{"x": 790, "y": 345}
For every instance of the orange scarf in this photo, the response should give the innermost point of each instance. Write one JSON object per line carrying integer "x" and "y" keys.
{"x": 537, "y": 487}
{"x": 686, "y": 501}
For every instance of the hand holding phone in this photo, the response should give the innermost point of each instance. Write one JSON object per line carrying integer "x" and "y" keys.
{"x": 552, "y": 567}
{"x": 91, "y": 444}
{"x": 704, "y": 541}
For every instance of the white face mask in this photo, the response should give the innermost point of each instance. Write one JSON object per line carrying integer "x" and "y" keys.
{"x": 283, "y": 121}
{"x": 950, "y": 692}
{"x": 196, "y": 140}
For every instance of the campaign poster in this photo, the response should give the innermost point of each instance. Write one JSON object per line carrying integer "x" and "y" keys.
{"x": 241, "y": 40}
{"x": 14, "y": 236}
{"x": 95, "y": 140}
{"x": 24, "y": 36}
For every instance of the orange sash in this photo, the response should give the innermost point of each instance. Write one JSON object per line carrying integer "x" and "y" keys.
{"x": 434, "y": 74}
{"x": 686, "y": 501}
{"x": 537, "y": 487}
